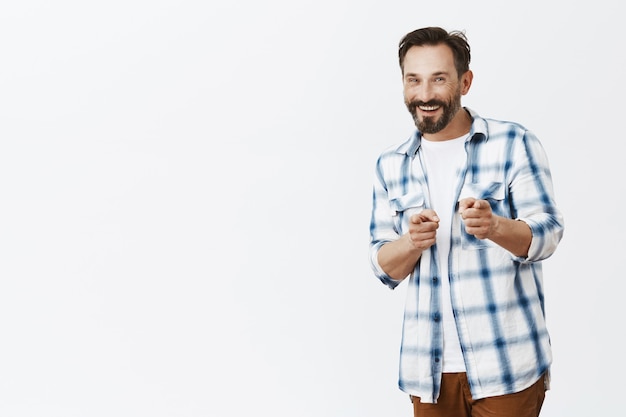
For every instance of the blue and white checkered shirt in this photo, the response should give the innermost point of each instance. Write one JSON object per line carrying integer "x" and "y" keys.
{"x": 497, "y": 298}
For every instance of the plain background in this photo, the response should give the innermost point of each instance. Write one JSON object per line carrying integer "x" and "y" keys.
{"x": 185, "y": 198}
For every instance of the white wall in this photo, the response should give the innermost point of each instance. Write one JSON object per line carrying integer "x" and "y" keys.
{"x": 185, "y": 194}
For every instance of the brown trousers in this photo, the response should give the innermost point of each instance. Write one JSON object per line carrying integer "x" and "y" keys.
{"x": 455, "y": 400}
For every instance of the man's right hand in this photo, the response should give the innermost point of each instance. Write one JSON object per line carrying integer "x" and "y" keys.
{"x": 423, "y": 229}
{"x": 398, "y": 258}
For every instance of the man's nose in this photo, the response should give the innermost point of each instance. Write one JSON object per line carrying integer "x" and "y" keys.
{"x": 425, "y": 92}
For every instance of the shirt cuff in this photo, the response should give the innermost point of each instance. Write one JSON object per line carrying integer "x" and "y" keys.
{"x": 380, "y": 274}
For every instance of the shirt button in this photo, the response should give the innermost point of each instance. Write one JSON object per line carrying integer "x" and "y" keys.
{"x": 435, "y": 279}
{"x": 436, "y": 317}
{"x": 437, "y": 360}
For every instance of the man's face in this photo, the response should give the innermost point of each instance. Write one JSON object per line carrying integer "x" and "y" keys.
{"x": 432, "y": 90}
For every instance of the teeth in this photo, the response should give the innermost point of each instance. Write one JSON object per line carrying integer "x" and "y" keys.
{"x": 429, "y": 108}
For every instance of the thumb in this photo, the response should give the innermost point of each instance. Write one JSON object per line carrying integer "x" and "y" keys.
{"x": 481, "y": 204}
{"x": 467, "y": 203}
{"x": 415, "y": 218}
{"x": 430, "y": 215}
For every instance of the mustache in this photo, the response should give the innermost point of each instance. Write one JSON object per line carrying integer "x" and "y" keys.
{"x": 412, "y": 105}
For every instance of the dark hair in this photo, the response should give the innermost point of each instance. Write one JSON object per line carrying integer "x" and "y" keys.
{"x": 432, "y": 36}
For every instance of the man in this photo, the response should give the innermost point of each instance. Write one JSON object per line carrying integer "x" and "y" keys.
{"x": 465, "y": 209}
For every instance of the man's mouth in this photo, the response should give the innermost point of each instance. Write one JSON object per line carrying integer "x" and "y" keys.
{"x": 429, "y": 108}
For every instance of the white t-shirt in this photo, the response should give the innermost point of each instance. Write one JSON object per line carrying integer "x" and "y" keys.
{"x": 444, "y": 161}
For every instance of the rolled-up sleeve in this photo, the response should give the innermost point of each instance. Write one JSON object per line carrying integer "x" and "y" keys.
{"x": 382, "y": 228}
{"x": 532, "y": 196}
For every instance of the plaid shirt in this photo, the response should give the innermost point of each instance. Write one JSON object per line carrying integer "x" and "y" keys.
{"x": 497, "y": 298}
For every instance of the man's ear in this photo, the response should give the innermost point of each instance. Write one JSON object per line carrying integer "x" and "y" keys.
{"x": 466, "y": 81}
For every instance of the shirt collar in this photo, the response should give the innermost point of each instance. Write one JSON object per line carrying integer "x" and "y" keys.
{"x": 478, "y": 129}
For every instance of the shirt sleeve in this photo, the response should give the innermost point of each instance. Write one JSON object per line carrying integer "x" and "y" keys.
{"x": 532, "y": 197}
{"x": 382, "y": 228}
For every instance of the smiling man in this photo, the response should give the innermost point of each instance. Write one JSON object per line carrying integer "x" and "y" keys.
{"x": 433, "y": 90}
{"x": 465, "y": 210}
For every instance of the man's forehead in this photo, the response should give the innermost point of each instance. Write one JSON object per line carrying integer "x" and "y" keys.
{"x": 429, "y": 60}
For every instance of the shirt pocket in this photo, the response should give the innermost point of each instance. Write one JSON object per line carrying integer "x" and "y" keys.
{"x": 403, "y": 207}
{"x": 494, "y": 193}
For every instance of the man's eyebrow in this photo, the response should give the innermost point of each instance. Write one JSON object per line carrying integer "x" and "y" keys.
{"x": 434, "y": 74}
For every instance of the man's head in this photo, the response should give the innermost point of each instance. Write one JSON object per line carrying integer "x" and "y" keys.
{"x": 435, "y": 74}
